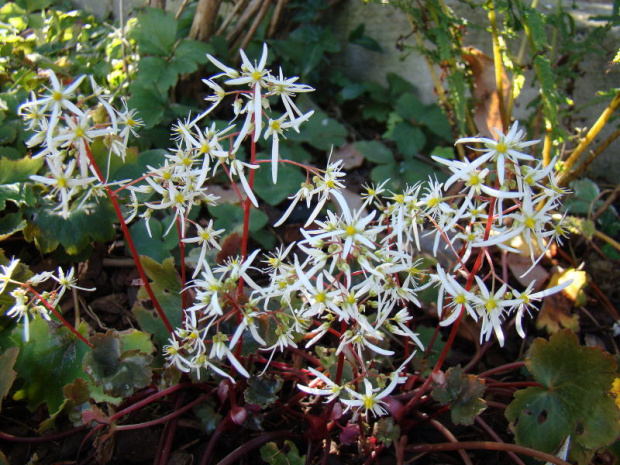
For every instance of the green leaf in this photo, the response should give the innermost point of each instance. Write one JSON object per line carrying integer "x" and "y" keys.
{"x": 189, "y": 54}
{"x": 288, "y": 455}
{"x": 542, "y": 419}
{"x": 153, "y": 245}
{"x": 18, "y": 193}
{"x": 164, "y": 275}
{"x": 116, "y": 365}
{"x": 262, "y": 390}
{"x": 85, "y": 224}
{"x": 208, "y": 417}
{"x": 7, "y": 374}
{"x": 417, "y": 171}
{"x": 12, "y": 171}
{"x": 10, "y": 224}
{"x": 51, "y": 359}
{"x": 155, "y": 32}
{"x": 290, "y": 179}
{"x": 409, "y": 139}
{"x": 436, "y": 121}
{"x": 398, "y": 86}
{"x": 320, "y": 131}
{"x": 166, "y": 286}
{"x": 573, "y": 399}
{"x": 464, "y": 392}
{"x": 375, "y": 151}
{"x": 386, "y": 430}
{"x": 156, "y": 71}
{"x": 410, "y": 107}
{"x": 230, "y": 217}
{"x": 150, "y": 103}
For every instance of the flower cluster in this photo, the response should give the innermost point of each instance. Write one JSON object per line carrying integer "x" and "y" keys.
{"x": 28, "y": 303}
{"x": 64, "y": 130}
{"x": 353, "y": 281}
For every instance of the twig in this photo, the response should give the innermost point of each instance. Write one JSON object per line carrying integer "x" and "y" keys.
{"x": 261, "y": 14}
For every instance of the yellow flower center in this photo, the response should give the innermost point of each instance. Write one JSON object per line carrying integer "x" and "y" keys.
{"x": 57, "y": 96}
{"x": 530, "y": 223}
{"x": 501, "y": 147}
{"x": 350, "y": 230}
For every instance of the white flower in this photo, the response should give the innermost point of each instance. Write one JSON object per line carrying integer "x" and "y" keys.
{"x": 524, "y": 300}
{"x": 7, "y": 272}
{"x": 207, "y": 238}
{"x": 275, "y": 128}
{"x": 509, "y": 146}
{"x": 372, "y": 399}
{"x": 491, "y": 307}
{"x": 332, "y": 390}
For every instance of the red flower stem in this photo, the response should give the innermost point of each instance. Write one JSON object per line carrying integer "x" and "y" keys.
{"x": 235, "y": 456}
{"x": 167, "y": 436}
{"x": 173, "y": 415}
{"x": 136, "y": 258}
{"x": 51, "y": 437}
{"x": 485, "y": 426}
{"x": 147, "y": 401}
{"x": 502, "y": 368}
{"x": 455, "y": 327}
{"x": 486, "y": 445}
{"x": 59, "y": 316}
{"x": 183, "y": 271}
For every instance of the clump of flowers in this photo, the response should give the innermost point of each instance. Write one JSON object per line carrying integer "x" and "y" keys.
{"x": 353, "y": 281}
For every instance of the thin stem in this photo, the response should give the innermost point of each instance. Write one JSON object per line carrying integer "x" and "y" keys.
{"x": 59, "y": 316}
{"x": 128, "y": 238}
{"x": 593, "y": 156}
{"x": 486, "y": 445}
{"x": 499, "y": 69}
{"x": 252, "y": 444}
{"x": 170, "y": 416}
{"x": 450, "y": 437}
{"x": 587, "y": 140}
{"x": 496, "y": 437}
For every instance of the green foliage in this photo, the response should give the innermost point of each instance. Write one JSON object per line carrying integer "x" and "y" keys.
{"x": 262, "y": 390}
{"x": 7, "y": 374}
{"x": 573, "y": 398}
{"x": 120, "y": 362}
{"x": 166, "y": 286}
{"x": 387, "y": 431}
{"x": 288, "y": 455}
{"x": 289, "y": 179}
{"x": 51, "y": 359}
{"x": 464, "y": 394}
{"x": 208, "y": 417}
{"x": 164, "y": 57}
{"x": 48, "y": 228}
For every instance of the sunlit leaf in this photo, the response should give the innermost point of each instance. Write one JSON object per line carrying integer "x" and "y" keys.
{"x": 51, "y": 359}
{"x": 120, "y": 362}
{"x": 573, "y": 399}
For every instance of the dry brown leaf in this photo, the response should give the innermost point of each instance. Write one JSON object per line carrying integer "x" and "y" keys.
{"x": 351, "y": 157}
{"x": 226, "y": 193}
{"x": 486, "y": 112}
{"x": 556, "y": 311}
